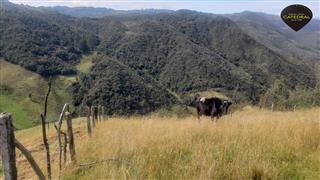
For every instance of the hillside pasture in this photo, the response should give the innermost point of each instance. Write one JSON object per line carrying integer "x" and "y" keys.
{"x": 249, "y": 143}
{"x": 22, "y": 93}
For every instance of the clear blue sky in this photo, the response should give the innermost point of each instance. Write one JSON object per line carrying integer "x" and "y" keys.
{"x": 211, "y": 6}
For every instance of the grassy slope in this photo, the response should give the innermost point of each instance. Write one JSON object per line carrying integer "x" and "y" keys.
{"x": 251, "y": 142}
{"x": 86, "y": 63}
{"x": 21, "y": 116}
{"x": 22, "y": 93}
{"x": 240, "y": 146}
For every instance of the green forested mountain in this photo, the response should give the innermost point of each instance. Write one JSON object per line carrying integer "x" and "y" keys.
{"x": 146, "y": 59}
{"x": 45, "y": 42}
{"x": 119, "y": 88}
{"x": 100, "y": 11}
{"x": 300, "y": 47}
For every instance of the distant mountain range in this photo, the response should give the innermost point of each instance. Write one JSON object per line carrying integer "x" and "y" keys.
{"x": 101, "y": 12}
{"x": 267, "y": 29}
{"x": 271, "y": 31}
{"x": 145, "y": 59}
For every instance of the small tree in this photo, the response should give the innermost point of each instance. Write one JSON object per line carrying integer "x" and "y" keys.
{"x": 277, "y": 94}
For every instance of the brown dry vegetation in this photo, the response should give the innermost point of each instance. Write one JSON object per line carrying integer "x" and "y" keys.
{"x": 251, "y": 143}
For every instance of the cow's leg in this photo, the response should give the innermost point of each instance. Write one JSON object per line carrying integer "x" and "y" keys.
{"x": 212, "y": 115}
{"x": 198, "y": 116}
{"x": 212, "y": 118}
{"x": 218, "y": 117}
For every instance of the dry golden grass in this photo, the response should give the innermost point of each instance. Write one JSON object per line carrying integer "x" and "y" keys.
{"x": 250, "y": 143}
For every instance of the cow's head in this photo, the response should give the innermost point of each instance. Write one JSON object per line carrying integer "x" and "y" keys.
{"x": 202, "y": 99}
{"x": 225, "y": 106}
{"x": 227, "y": 103}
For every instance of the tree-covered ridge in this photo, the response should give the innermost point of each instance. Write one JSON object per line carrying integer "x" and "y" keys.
{"x": 122, "y": 90}
{"x": 190, "y": 51}
{"x": 145, "y": 60}
{"x": 44, "y": 42}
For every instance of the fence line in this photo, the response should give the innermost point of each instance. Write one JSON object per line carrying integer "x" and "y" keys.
{"x": 9, "y": 143}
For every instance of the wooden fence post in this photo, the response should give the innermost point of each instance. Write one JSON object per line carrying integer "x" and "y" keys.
{"x": 44, "y": 133}
{"x": 93, "y": 116}
{"x": 96, "y": 113}
{"x": 88, "y": 113}
{"x": 58, "y": 128}
{"x": 99, "y": 113}
{"x": 72, "y": 148}
{"x": 7, "y": 148}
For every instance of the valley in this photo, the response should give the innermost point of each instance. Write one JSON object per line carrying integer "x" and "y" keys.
{"x": 150, "y": 73}
{"x": 139, "y": 62}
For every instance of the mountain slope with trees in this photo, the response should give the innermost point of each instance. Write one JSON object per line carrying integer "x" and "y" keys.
{"x": 145, "y": 59}
{"x": 300, "y": 47}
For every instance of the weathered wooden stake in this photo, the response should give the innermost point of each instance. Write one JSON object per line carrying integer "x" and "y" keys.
{"x": 44, "y": 133}
{"x": 58, "y": 128}
{"x": 100, "y": 113}
{"x": 72, "y": 148}
{"x": 7, "y": 148}
{"x": 95, "y": 113}
{"x": 93, "y": 117}
{"x": 64, "y": 146}
{"x": 88, "y": 113}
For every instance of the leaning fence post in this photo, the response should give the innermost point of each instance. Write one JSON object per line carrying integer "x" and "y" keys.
{"x": 58, "y": 128}
{"x": 88, "y": 113}
{"x": 30, "y": 159}
{"x": 7, "y": 148}
{"x": 70, "y": 137}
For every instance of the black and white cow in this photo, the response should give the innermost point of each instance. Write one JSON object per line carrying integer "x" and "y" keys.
{"x": 213, "y": 107}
